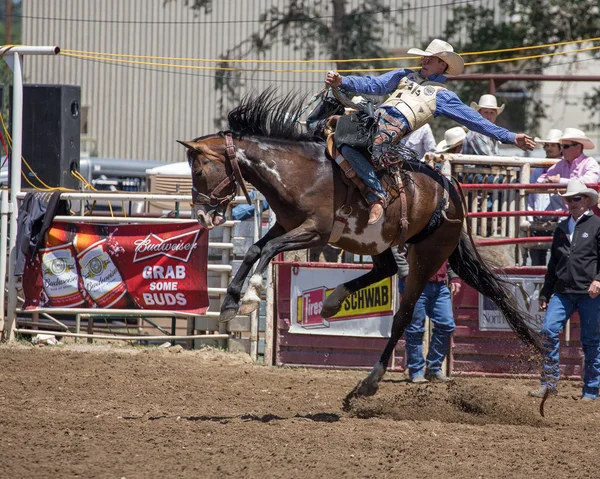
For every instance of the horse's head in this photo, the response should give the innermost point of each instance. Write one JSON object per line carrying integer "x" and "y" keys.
{"x": 214, "y": 177}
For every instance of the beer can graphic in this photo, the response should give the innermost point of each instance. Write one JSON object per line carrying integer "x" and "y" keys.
{"x": 61, "y": 277}
{"x": 310, "y": 304}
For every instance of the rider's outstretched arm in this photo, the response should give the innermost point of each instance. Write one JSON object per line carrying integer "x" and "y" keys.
{"x": 449, "y": 105}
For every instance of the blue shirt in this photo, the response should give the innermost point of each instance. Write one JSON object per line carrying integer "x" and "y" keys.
{"x": 447, "y": 103}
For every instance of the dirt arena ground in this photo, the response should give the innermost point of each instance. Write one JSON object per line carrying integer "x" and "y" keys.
{"x": 119, "y": 412}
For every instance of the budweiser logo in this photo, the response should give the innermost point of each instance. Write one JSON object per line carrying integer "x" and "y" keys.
{"x": 178, "y": 247}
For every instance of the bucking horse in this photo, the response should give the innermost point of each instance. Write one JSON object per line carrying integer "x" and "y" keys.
{"x": 306, "y": 190}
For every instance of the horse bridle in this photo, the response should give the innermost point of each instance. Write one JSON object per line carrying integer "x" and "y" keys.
{"x": 233, "y": 178}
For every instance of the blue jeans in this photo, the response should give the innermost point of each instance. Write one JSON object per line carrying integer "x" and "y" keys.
{"x": 365, "y": 171}
{"x": 435, "y": 302}
{"x": 560, "y": 308}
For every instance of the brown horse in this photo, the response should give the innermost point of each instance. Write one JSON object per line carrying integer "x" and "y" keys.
{"x": 306, "y": 192}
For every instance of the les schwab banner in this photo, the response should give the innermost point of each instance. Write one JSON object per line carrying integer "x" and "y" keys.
{"x": 367, "y": 313}
{"x": 152, "y": 267}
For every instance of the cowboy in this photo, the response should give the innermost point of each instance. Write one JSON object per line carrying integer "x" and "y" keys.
{"x": 572, "y": 283}
{"x": 453, "y": 141}
{"x": 476, "y": 143}
{"x": 574, "y": 165}
{"x": 416, "y": 98}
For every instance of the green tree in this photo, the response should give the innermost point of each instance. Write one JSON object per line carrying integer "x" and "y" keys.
{"x": 315, "y": 26}
{"x": 523, "y": 23}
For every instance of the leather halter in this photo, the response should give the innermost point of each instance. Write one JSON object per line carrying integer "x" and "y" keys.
{"x": 233, "y": 178}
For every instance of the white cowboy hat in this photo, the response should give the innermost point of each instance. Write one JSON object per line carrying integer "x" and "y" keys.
{"x": 577, "y": 136}
{"x": 444, "y": 51}
{"x": 553, "y": 137}
{"x": 453, "y": 137}
{"x": 488, "y": 101}
{"x": 576, "y": 187}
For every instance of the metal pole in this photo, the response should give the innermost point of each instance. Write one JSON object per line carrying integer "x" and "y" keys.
{"x": 15, "y": 188}
{"x": 4, "y": 212}
{"x": 254, "y": 316}
{"x": 13, "y": 56}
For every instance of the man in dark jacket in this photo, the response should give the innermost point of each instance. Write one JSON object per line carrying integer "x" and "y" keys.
{"x": 572, "y": 284}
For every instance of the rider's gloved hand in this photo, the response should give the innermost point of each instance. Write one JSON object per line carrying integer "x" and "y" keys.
{"x": 333, "y": 79}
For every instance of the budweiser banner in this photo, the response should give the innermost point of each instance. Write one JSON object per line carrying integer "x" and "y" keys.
{"x": 367, "y": 313}
{"x": 152, "y": 267}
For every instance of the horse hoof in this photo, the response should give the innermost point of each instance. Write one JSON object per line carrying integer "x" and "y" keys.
{"x": 333, "y": 302}
{"x": 248, "y": 307}
{"x": 328, "y": 312}
{"x": 228, "y": 314}
{"x": 364, "y": 388}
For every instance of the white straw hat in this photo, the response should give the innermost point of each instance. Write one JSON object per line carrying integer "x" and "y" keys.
{"x": 576, "y": 187}
{"x": 552, "y": 137}
{"x": 453, "y": 137}
{"x": 444, "y": 51}
{"x": 577, "y": 136}
{"x": 488, "y": 101}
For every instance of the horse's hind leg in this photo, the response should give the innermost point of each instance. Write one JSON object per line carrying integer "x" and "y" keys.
{"x": 384, "y": 266}
{"x": 306, "y": 235}
{"x": 231, "y": 302}
{"x": 425, "y": 259}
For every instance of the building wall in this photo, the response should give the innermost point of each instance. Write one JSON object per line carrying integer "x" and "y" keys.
{"x": 138, "y": 110}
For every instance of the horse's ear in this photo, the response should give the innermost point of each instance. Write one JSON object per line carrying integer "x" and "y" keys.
{"x": 188, "y": 144}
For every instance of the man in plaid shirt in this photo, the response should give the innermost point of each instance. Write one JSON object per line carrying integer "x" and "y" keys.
{"x": 477, "y": 143}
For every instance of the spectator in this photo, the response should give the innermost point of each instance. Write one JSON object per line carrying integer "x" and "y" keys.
{"x": 476, "y": 143}
{"x": 453, "y": 141}
{"x": 574, "y": 165}
{"x": 541, "y": 201}
{"x": 421, "y": 141}
{"x": 435, "y": 302}
{"x": 572, "y": 283}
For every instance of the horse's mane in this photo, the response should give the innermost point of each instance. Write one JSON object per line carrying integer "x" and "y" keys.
{"x": 270, "y": 115}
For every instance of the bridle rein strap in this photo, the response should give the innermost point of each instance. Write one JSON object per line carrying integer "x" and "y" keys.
{"x": 235, "y": 178}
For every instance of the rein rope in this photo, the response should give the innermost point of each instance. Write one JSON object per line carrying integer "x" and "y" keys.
{"x": 234, "y": 178}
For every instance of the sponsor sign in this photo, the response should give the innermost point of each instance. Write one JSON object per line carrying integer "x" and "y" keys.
{"x": 153, "y": 267}
{"x": 526, "y": 290}
{"x": 368, "y": 312}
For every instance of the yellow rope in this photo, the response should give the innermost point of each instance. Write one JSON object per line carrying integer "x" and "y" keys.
{"x": 197, "y": 67}
{"x": 81, "y": 178}
{"x": 350, "y": 60}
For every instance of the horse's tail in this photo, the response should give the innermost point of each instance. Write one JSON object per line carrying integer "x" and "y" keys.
{"x": 477, "y": 273}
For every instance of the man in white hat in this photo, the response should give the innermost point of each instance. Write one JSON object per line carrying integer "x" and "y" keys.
{"x": 481, "y": 144}
{"x": 416, "y": 98}
{"x": 572, "y": 283}
{"x": 453, "y": 141}
{"x": 575, "y": 164}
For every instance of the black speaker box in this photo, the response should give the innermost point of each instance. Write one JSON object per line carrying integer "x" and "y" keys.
{"x": 51, "y": 134}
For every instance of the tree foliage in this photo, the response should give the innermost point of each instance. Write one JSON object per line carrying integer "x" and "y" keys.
{"x": 524, "y": 23}
{"x": 315, "y": 27}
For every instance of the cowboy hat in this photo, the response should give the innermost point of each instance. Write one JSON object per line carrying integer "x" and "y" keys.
{"x": 553, "y": 137}
{"x": 444, "y": 51}
{"x": 577, "y": 136}
{"x": 453, "y": 137}
{"x": 576, "y": 187}
{"x": 488, "y": 101}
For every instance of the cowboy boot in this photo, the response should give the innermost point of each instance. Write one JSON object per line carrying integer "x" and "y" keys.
{"x": 375, "y": 212}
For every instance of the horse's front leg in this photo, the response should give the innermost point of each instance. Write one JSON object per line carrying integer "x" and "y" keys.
{"x": 305, "y": 236}
{"x": 231, "y": 302}
{"x": 384, "y": 266}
